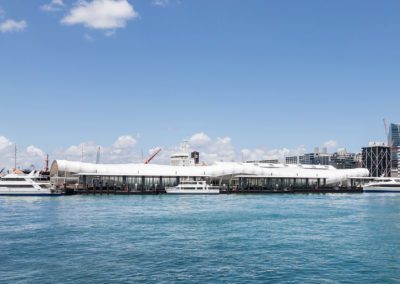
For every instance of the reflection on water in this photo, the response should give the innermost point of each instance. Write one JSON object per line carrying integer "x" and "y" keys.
{"x": 225, "y": 238}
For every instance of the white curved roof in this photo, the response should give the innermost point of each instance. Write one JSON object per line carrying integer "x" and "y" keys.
{"x": 216, "y": 170}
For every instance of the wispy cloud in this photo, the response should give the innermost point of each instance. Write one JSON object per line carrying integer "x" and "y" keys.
{"x": 160, "y": 3}
{"x": 101, "y": 14}
{"x": 330, "y": 144}
{"x": 88, "y": 37}
{"x": 13, "y": 26}
{"x": 54, "y": 5}
{"x": 2, "y": 13}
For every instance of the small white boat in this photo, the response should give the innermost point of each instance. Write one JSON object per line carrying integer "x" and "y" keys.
{"x": 383, "y": 185}
{"x": 193, "y": 187}
{"x": 26, "y": 185}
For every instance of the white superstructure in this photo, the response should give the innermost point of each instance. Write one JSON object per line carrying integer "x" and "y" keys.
{"x": 193, "y": 187}
{"x": 62, "y": 169}
{"x": 25, "y": 185}
{"x": 383, "y": 185}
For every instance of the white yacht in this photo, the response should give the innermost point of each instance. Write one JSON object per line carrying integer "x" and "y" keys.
{"x": 26, "y": 185}
{"x": 383, "y": 185}
{"x": 193, "y": 187}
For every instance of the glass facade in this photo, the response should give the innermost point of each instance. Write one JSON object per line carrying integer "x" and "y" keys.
{"x": 132, "y": 183}
{"x": 394, "y": 142}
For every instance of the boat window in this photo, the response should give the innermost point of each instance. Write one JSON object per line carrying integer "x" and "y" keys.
{"x": 19, "y": 186}
{"x": 13, "y": 179}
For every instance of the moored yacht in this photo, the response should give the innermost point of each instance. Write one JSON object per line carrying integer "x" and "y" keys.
{"x": 26, "y": 185}
{"x": 383, "y": 185}
{"x": 193, "y": 187}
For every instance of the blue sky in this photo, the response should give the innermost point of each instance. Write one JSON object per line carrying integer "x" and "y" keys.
{"x": 267, "y": 74}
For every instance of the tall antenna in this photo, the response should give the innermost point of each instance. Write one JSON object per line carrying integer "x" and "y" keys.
{"x": 15, "y": 156}
{"x": 82, "y": 154}
{"x": 98, "y": 155}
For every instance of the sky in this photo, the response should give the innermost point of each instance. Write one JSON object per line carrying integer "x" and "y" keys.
{"x": 239, "y": 79}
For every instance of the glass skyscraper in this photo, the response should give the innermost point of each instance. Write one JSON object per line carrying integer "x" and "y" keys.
{"x": 394, "y": 142}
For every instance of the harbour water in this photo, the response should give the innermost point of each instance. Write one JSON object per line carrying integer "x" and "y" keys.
{"x": 327, "y": 238}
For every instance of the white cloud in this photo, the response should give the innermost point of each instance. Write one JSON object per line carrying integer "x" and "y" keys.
{"x": 330, "y": 144}
{"x": 34, "y": 151}
{"x": 121, "y": 151}
{"x": 4, "y": 143}
{"x": 12, "y": 26}
{"x": 160, "y": 3}
{"x": 124, "y": 142}
{"x": 257, "y": 154}
{"x": 101, "y": 14}
{"x": 124, "y": 150}
{"x": 199, "y": 139}
{"x": 26, "y": 157}
{"x": 54, "y": 5}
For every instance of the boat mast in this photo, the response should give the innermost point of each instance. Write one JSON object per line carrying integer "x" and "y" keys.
{"x": 15, "y": 156}
{"x": 82, "y": 153}
{"x": 98, "y": 155}
{"x": 46, "y": 167}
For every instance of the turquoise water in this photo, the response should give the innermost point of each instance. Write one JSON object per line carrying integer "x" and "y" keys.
{"x": 347, "y": 238}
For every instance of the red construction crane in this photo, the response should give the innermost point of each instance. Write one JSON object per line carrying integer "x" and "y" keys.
{"x": 152, "y": 156}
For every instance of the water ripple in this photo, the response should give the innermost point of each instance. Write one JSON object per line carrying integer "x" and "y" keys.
{"x": 190, "y": 239}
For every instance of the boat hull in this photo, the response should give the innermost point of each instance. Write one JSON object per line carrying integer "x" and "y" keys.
{"x": 382, "y": 189}
{"x": 4, "y": 191}
{"x": 31, "y": 194}
{"x": 194, "y": 191}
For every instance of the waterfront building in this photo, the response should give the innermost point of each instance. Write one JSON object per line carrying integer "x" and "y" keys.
{"x": 148, "y": 177}
{"x": 292, "y": 160}
{"x": 377, "y": 159}
{"x": 344, "y": 160}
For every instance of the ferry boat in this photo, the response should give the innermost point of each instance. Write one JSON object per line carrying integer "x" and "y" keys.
{"x": 383, "y": 185}
{"x": 26, "y": 185}
{"x": 193, "y": 187}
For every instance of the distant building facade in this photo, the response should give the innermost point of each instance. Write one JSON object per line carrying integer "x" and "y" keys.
{"x": 344, "y": 160}
{"x": 264, "y": 162}
{"x": 394, "y": 143}
{"x": 292, "y": 160}
{"x": 315, "y": 158}
{"x": 377, "y": 159}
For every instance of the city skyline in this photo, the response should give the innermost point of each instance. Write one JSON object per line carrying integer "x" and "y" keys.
{"x": 153, "y": 73}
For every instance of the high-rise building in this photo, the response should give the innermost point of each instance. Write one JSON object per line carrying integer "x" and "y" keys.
{"x": 394, "y": 143}
{"x": 315, "y": 158}
{"x": 344, "y": 160}
{"x": 376, "y": 158}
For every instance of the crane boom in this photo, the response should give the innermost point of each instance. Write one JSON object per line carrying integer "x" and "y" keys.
{"x": 148, "y": 160}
